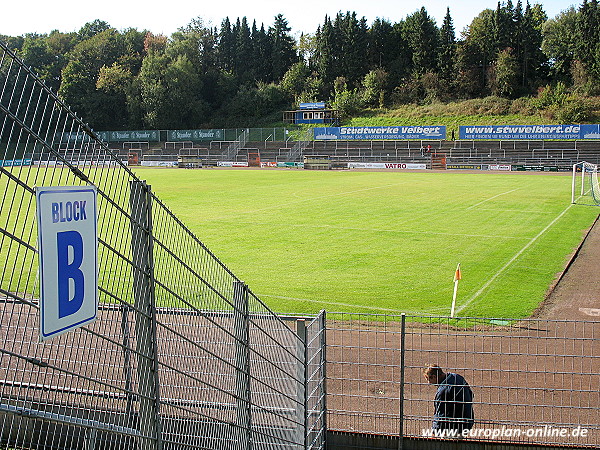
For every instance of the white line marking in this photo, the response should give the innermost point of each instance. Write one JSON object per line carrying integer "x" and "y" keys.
{"x": 305, "y": 199}
{"x": 515, "y": 211}
{"x": 519, "y": 253}
{"x": 375, "y": 230}
{"x": 491, "y": 198}
{"x": 353, "y": 305}
{"x": 594, "y": 312}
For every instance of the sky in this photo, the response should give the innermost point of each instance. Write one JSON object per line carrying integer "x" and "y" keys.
{"x": 43, "y": 16}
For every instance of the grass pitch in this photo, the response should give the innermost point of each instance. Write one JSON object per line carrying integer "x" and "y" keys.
{"x": 383, "y": 242}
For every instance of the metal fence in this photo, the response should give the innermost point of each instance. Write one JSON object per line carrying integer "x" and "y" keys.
{"x": 181, "y": 355}
{"x": 534, "y": 381}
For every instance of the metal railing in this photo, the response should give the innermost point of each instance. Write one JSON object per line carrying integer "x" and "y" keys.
{"x": 233, "y": 149}
{"x": 534, "y": 381}
{"x": 181, "y": 355}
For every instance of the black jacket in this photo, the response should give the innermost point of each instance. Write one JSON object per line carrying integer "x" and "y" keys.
{"x": 453, "y": 404}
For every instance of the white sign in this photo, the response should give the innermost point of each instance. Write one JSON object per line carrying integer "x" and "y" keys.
{"x": 507, "y": 167}
{"x": 68, "y": 257}
{"x": 408, "y": 166}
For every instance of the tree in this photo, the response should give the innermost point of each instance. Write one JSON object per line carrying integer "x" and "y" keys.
{"x": 283, "y": 53}
{"x": 374, "y": 88}
{"x": 506, "y": 70}
{"x": 477, "y": 53}
{"x": 532, "y": 61}
{"x": 422, "y": 35}
{"x": 559, "y": 43}
{"x": 353, "y": 34}
{"x": 170, "y": 92}
{"x": 226, "y": 47}
{"x": 197, "y": 42}
{"x": 36, "y": 54}
{"x": 307, "y": 47}
{"x": 380, "y": 43}
{"x": 294, "y": 81}
{"x": 261, "y": 54}
{"x": 325, "y": 54}
{"x": 117, "y": 83}
{"x": 80, "y": 75}
{"x": 588, "y": 36}
{"x": 447, "y": 52}
{"x": 91, "y": 29}
{"x": 243, "y": 62}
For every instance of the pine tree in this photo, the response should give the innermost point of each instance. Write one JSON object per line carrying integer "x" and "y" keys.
{"x": 353, "y": 61}
{"x": 447, "y": 48}
{"x": 588, "y": 38}
{"x": 226, "y": 47}
{"x": 423, "y": 37}
{"x": 283, "y": 52}
{"x": 261, "y": 51}
{"x": 243, "y": 63}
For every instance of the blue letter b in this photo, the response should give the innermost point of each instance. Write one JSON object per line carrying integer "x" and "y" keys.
{"x": 69, "y": 271}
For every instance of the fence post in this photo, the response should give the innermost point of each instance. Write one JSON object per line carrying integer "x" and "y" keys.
{"x": 402, "y": 364}
{"x": 127, "y": 366}
{"x": 302, "y": 390}
{"x": 242, "y": 365}
{"x": 145, "y": 315}
{"x": 324, "y": 371}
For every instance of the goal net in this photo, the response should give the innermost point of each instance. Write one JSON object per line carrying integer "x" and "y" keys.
{"x": 586, "y": 190}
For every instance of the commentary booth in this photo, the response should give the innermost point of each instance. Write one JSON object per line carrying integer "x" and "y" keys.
{"x": 312, "y": 113}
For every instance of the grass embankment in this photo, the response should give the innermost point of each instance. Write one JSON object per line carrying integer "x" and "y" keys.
{"x": 486, "y": 111}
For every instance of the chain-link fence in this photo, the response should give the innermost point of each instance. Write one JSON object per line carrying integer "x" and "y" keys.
{"x": 181, "y": 354}
{"x": 534, "y": 381}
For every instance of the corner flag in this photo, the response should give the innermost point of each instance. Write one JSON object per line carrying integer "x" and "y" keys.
{"x": 457, "y": 276}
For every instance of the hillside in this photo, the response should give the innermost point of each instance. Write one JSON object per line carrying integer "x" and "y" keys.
{"x": 485, "y": 111}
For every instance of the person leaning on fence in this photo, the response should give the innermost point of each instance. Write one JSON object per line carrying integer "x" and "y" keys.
{"x": 453, "y": 401}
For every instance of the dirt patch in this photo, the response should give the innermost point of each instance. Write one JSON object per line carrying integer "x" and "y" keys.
{"x": 576, "y": 295}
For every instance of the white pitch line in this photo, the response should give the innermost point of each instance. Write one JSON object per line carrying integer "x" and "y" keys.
{"x": 352, "y": 305}
{"x": 519, "y": 253}
{"x": 491, "y": 198}
{"x": 304, "y": 200}
{"x": 522, "y": 211}
{"x": 377, "y": 230}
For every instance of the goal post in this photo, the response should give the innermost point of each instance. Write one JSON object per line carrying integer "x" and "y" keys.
{"x": 586, "y": 190}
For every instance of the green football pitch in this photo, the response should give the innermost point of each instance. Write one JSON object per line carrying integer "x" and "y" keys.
{"x": 383, "y": 242}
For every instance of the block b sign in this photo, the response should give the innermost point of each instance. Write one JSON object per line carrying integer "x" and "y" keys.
{"x": 68, "y": 258}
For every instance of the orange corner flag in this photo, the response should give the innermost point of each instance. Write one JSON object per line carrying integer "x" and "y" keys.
{"x": 457, "y": 274}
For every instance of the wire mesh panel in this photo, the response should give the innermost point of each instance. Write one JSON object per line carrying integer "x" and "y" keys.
{"x": 316, "y": 393}
{"x": 181, "y": 354}
{"x": 534, "y": 381}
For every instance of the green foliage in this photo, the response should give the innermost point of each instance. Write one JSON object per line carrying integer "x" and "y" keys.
{"x": 374, "y": 85}
{"x": 558, "y": 44}
{"x": 283, "y": 53}
{"x": 294, "y": 80}
{"x": 422, "y": 36}
{"x": 573, "y": 110}
{"x": 506, "y": 75}
{"x": 103, "y": 73}
{"x": 557, "y": 103}
{"x": 551, "y": 96}
{"x": 447, "y": 53}
{"x": 249, "y": 104}
{"x": 347, "y": 101}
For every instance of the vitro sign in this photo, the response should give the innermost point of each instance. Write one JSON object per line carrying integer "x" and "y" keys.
{"x": 68, "y": 258}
